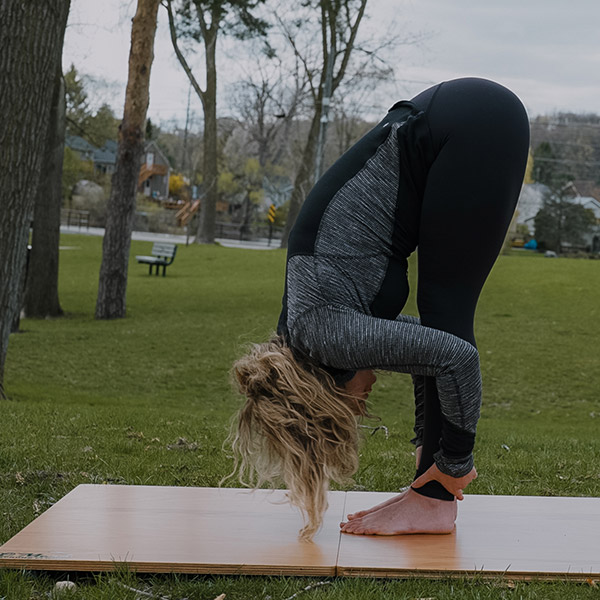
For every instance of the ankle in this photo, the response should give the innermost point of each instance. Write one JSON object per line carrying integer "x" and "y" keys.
{"x": 434, "y": 489}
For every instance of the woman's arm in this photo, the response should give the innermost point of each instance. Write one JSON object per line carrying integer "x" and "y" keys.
{"x": 419, "y": 391}
{"x": 347, "y": 339}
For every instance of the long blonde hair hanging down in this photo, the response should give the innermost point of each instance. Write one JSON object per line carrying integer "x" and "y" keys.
{"x": 296, "y": 426}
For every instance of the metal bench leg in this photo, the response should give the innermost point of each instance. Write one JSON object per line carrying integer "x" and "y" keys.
{"x": 150, "y": 269}
{"x": 164, "y": 270}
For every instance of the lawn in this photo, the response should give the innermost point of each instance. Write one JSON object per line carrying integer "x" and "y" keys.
{"x": 147, "y": 400}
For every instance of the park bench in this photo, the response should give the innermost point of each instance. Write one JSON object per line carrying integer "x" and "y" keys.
{"x": 163, "y": 255}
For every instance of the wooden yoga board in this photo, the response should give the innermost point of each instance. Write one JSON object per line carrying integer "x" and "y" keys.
{"x": 231, "y": 531}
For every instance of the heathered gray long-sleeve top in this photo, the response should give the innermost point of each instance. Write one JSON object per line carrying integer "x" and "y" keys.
{"x": 346, "y": 279}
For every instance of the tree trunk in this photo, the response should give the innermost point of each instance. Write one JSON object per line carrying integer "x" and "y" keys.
{"x": 208, "y": 206}
{"x": 31, "y": 40}
{"x": 208, "y": 33}
{"x": 303, "y": 181}
{"x": 16, "y": 321}
{"x": 112, "y": 285}
{"x": 41, "y": 295}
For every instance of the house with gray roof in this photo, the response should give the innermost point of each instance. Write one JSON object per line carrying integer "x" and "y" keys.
{"x": 104, "y": 159}
{"x": 155, "y": 169}
{"x": 82, "y": 147}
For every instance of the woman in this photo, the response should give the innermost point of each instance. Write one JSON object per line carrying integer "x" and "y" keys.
{"x": 441, "y": 173}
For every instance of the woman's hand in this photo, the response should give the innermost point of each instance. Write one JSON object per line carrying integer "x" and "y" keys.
{"x": 455, "y": 485}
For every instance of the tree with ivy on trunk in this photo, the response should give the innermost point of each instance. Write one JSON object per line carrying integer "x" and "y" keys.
{"x": 203, "y": 21}
{"x": 112, "y": 287}
{"x": 31, "y": 41}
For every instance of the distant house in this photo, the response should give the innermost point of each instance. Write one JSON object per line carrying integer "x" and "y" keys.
{"x": 153, "y": 180}
{"x": 592, "y": 239}
{"x": 531, "y": 201}
{"x": 82, "y": 147}
{"x": 104, "y": 159}
{"x": 589, "y": 203}
{"x": 154, "y": 174}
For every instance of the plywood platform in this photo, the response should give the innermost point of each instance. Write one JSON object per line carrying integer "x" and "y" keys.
{"x": 175, "y": 529}
{"x": 209, "y": 530}
{"x": 521, "y": 536}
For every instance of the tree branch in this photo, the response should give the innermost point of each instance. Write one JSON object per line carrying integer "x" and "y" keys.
{"x": 325, "y": 17}
{"x": 181, "y": 58}
{"x": 298, "y": 55}
{"x": 204, "y": 28}
{"x": 349, "y": 45}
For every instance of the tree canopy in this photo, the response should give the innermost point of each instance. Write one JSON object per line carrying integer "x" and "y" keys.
{"x": 96, "y": 126}
{"x": 561, "y": 222}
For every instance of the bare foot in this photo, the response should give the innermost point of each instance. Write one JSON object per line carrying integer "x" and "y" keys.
{"x": 412, "y": 513}
{"x": 368, "y": 511}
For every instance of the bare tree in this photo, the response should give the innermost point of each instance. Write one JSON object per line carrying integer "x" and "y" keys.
{"x": 31, "y": 41}
{"x": 112, "y": 286}
{"x": 342, "y": 59}
{"x": 268, "y": 101}
{"x": 203, "y": 20}
{"x": 353, "y": 100}
{"x": 568, "y": 143}
{"x": 339, "y": 21}
{"x": 41, "y": 295}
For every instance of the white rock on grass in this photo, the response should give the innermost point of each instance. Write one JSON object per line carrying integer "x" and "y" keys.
{"x": 61, "y": 586}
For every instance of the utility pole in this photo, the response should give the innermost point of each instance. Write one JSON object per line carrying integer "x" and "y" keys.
{"x": 185, "y": 132}
{"x": 325, "y": 103}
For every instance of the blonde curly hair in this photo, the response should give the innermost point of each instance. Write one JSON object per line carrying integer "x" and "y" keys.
{"x": 296, "y": 426}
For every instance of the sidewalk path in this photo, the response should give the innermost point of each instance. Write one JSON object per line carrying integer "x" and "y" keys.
{"x": 147, "y": 236}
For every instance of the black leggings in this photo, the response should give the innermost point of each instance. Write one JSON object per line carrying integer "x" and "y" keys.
{"x": 480, "y": 134}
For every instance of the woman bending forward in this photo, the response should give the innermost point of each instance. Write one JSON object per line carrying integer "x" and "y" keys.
{"x": 441, "y": 173}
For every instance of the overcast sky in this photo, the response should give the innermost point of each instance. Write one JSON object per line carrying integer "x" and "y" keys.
{"x": 546, "y": 51}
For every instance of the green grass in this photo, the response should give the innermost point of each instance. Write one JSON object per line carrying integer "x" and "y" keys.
{"x": 95, "y": 402}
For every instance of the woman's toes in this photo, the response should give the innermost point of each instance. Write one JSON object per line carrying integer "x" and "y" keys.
{"x": 361, "y": 530}
{"x": 349, "y": 527}
{"x": 356, "y": 515}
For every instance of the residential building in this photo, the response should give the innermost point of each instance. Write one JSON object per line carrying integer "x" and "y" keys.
{"x": 153, "y": 180}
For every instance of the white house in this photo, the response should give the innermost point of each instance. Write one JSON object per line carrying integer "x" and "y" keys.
{"x": 531, "y": 201}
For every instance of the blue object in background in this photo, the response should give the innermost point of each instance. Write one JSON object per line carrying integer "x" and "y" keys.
{"x": 531, "y": 245}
